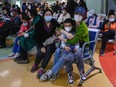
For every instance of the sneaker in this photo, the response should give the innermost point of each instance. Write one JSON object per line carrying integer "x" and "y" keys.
{"x": 82, "y": 75}
{"x": 70, "y": 78}
{"x": 102, "y": 53}
{"x": 18, "y": 58}
{"x": 16, "y": 55}
{"x": 11, "y": 55}
{"x": 22, "y": 61}
{"x": 40, "y": 72}
{"x": 34, "y": 68}
{"x": 53, "y": 77}
{"x": 46, "y": 76}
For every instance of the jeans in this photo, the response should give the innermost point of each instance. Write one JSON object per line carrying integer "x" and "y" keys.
{"x": 16, "y": 48}
{"x": 57, "y": 55}
{"x": 78, "y": 60}
{"x": 60, "y": 61}
{"x": 44, "y": 57}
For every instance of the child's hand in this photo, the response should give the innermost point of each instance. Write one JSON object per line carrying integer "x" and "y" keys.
{"x": 75, "y": 49}
{"x": 67, "y": 48}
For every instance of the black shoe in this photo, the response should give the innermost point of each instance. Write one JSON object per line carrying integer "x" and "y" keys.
{"x": 23, "y": 61}
{"x": 18, "y": 58}
{"x": 34, "y": 68}
{"x": 2, "y": 46}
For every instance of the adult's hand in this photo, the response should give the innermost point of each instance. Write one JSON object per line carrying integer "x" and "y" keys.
{"x": 67, "y": 48}
{"x": 62, "y": 39}
{"x": 43, "y": 50}
{"x": 70, "y": 36}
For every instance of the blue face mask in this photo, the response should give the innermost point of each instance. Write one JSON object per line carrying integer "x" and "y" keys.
{"x": 48, "y": 18}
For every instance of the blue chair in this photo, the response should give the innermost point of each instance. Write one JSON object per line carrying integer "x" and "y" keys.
{"x": 88, "y": 55}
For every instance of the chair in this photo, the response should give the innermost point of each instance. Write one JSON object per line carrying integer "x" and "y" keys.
{"x": 93, "y": 35}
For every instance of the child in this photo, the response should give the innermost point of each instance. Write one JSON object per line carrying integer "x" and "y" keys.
{"x": 66, "y": 55}
{"x": 24, "y": 27}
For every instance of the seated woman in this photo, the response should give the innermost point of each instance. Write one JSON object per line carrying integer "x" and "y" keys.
{"x": 24, "y": 27}
{"x": 28, "y": 42}
{"x": 63, "y": 16}
{"x": 44, "y": 29}
{"x": 80, "y": 37}
{"x": 108, "y": 28}
{"x": 67, "y": 53}
{"x": 92, "y": 21}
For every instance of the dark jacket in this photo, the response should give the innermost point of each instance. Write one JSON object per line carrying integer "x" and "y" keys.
{"x": 106, "y": 22}
{"x": 41, "y": 34}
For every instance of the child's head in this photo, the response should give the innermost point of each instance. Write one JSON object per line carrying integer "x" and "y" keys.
{"x": 69, "y": 25}
{"x": 25, "y": 19}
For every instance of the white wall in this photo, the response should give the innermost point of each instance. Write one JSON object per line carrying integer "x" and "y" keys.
{"x": 94, "y": 4}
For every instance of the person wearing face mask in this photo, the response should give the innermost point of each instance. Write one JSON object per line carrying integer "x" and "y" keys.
{"x": 6, "y": 27}
{"x": 81, "y": 36}
{"x": 108, "y": 30}
{"x": 67, "y": 53}
{"x": 24, "y": 27}
{"x": 27, "y": 42}
{"x": 63, "y": 16}
{"x": 44, "y": 29}
{"x": 15, "y": 18}
{"x": 92, "y": 21}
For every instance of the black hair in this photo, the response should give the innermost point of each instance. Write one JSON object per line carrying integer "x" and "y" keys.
{"x": 111, "y": 12}
{"x": 73, "y": 23}
{"x": 46, "y": 11}
{"x": 24, "y": 4}
{"x": 33, "y": 12}
{"x": 65, "y": 9}
{"x": 25, "y": 17}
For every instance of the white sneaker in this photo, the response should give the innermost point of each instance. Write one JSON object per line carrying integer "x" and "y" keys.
{"x": 11, "y": 55}
{"x": 70, "y": 78}
{"x": 16, "y": 55}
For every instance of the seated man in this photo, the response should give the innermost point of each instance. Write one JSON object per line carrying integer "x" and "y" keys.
{"x": 108, "y": 28}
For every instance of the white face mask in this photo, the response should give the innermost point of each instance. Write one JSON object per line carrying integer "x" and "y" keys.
{"x": 11, "y": 14}
{"x": 68, "y": 29}
{"x": 25, "y": 24}
{"x": 48, "y": 18}
{"x": 63, "y": 12}
{"x": 78, "y": 18}
{"x": 111, "y": 19}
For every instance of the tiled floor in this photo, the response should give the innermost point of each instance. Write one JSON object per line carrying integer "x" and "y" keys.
{"x": 5, "y": 52}
{"x": 16, "y": 75}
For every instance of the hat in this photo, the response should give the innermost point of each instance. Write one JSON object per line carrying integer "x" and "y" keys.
{"x": 14, "y": 10}
{"x": 80, "y": 10}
